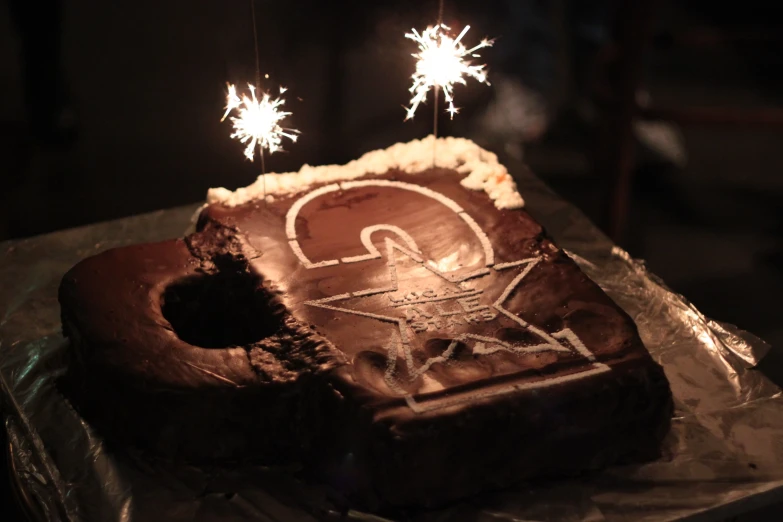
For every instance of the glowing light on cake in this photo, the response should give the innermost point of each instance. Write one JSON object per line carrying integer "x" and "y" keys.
{"x": 257, "y": 122}
{"x": 441, "y": 63}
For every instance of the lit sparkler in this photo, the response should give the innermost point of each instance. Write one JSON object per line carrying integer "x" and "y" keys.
{"x": 258, "y": 122}
{"x": 441, "y": 63}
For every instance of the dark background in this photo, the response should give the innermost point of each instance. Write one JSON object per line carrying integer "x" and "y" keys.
{"x": 145, "y": 81}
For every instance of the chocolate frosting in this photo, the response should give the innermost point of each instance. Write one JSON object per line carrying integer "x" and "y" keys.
{"x": 399, "y": 333}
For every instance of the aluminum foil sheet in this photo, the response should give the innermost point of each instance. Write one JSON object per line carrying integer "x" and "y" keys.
{"x": 724, "y": 454}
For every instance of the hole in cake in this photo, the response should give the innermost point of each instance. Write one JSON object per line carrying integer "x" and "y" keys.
{"x": 226, "y": 308}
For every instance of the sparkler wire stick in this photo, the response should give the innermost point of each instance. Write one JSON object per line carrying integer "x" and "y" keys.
{"x": 442, "y": 61}
{"x": 255, "y": 43}
{"x": 435, "y": 104}
{"x": 258, "y": 84}
{"x": 256, "y": 119}
{"x": 435, "y": 130}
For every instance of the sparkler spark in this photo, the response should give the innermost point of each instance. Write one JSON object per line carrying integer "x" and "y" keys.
{"x": 258, "y": 122}
{"x": 441, "y": 63}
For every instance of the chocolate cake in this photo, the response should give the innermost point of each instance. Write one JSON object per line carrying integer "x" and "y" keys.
{"x": 409, "y": 333}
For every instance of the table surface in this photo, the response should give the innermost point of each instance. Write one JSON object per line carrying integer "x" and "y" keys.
{"x": 66, "y": 243}
{"x": 9, "y": 508}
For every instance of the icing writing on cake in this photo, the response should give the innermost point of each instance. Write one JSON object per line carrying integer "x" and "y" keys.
{"x": 435, "y": 310}
{"x": 468, "y": 307}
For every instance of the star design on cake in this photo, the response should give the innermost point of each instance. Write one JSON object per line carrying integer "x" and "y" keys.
{"x": 402, "y": 343}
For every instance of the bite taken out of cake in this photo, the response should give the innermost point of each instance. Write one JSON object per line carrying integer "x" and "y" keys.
{"x": 408, "y": 332}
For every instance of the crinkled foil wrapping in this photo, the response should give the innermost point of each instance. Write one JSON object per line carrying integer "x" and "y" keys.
{"x": 724, "y": 454}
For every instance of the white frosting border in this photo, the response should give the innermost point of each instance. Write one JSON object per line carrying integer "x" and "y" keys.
{"x": 483, "y": 170}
